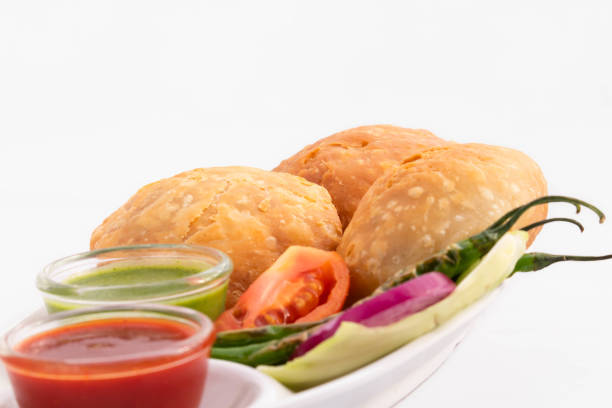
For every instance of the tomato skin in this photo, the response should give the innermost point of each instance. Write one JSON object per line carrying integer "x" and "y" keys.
{"x": 304, "y": 285}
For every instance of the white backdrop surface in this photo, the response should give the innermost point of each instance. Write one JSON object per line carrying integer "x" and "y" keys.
{"x": 99, "y": 98}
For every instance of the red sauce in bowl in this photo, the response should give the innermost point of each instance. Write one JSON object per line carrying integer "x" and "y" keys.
{"x": 111, "y": 363}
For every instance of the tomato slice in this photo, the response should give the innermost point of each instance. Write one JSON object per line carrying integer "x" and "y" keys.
{"x": 304, "y": 285}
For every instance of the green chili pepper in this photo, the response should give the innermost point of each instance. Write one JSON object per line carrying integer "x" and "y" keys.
{"x": 458, "y": 259}
{"x": 246, "y": 337}
{"x": 534, "y": 261}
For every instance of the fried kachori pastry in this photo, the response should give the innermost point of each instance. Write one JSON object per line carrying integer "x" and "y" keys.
{"x": 348, "y": 162}
{"x": 436, "y": 198}
{"x": 252, "y": 215}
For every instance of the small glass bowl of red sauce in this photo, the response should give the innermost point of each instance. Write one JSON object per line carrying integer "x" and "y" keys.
{"x": 149, "y": 356}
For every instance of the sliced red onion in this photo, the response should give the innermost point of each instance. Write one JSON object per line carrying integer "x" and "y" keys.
{"x": 386, "y": 308}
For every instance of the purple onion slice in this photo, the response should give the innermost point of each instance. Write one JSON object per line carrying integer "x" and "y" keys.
{"x": 388, "y": 307}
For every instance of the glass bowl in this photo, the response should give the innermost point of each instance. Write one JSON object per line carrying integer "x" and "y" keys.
{"x": 180, "y": 275}
{"x": 111, "y": 356}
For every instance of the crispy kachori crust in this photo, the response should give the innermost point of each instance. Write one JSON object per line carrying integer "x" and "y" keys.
{"x": 348, "y": 162}
{"x": 432, "y": 200}
{"x": 251, "y": 214}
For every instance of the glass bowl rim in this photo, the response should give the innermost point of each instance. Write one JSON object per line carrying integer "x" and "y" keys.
{"x": 179, "y": 348}
{"x": 215, "y": 275}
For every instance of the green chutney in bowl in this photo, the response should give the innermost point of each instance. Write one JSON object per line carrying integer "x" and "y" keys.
{"x": 180, "y": 275}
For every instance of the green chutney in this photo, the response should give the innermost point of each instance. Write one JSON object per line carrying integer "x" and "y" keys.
{"x": 156, "y": 283}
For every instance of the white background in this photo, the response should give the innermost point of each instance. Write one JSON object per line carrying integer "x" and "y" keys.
{"x": 98, "y": 98}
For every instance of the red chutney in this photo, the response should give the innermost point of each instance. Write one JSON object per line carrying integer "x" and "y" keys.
{"x": 122, "y": 362}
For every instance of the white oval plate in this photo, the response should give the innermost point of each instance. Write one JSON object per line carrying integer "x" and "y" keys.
{"x": 382, "y": 383}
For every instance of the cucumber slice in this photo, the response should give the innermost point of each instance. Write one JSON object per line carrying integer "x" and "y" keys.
{"x": 354, "y": 345}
